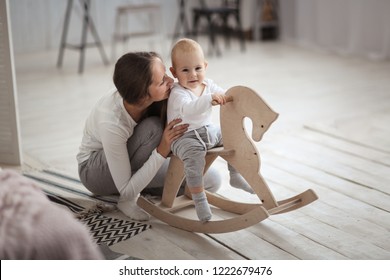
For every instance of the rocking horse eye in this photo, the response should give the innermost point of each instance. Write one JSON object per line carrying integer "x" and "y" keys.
{"x": 262, "y": 126}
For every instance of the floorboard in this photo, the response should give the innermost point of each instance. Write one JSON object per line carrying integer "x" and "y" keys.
{"x": 332, "y": 135}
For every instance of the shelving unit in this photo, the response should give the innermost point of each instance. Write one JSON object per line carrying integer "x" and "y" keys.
{"x": 266, "y": 25}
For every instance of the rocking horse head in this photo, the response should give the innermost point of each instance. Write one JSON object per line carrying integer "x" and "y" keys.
{"x": 246, "y": 103}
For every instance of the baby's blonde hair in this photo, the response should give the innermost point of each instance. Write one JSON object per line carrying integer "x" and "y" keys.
{"x": 185, "y": 45}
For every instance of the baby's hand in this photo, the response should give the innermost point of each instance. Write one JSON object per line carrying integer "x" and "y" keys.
{"x": 218, "y": 99}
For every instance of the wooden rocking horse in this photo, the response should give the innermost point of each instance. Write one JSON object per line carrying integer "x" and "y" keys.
{"x": 240, "y": 151}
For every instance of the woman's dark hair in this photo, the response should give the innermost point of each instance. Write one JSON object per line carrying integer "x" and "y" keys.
{"x": 132, "y": 78}
{"x": 133, "y": 75}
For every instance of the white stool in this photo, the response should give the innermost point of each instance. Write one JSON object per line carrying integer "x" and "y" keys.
{"x": 134, "y": 21}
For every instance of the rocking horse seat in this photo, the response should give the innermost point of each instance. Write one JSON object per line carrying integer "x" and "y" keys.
{"x": 218, "y": 151}
{"x": 240, "y": 152}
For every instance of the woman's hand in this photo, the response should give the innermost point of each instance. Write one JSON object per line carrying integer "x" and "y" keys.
{"x": 171, "y": 132}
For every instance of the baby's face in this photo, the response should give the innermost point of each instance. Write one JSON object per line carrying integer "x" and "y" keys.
{"x": 190, "y": 69}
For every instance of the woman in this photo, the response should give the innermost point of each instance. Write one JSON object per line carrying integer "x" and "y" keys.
{"x": 124, "y": 146}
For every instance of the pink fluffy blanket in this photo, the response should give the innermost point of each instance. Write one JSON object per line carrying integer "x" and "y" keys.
{"x": 31, "y": 227}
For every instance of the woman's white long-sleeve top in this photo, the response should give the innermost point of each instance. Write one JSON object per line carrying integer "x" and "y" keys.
{"x": 108, "y": 127}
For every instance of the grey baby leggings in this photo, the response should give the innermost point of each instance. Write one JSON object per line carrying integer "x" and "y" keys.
{"x": 191, "y": 148}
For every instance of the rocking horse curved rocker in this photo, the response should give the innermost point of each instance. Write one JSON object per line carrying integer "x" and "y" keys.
{"x": 240, "y": 151}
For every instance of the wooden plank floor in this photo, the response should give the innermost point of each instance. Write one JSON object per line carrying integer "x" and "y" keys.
{"x": 332, "y": 136}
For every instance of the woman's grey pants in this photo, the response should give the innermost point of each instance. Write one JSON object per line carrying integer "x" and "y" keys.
{"x": 95, "y": 174}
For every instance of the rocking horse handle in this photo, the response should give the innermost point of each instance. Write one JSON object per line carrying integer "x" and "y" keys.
{"x": 229, "y": 98}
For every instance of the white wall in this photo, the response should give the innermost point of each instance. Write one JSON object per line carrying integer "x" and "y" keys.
{"x": 355, "y": 27}
{"x": 351, "y": 27}
{"x": 10, "y": 147}
{"x": 37, "y": 24}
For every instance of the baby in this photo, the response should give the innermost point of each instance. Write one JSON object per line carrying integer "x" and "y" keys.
{"x": 191, "y": 99}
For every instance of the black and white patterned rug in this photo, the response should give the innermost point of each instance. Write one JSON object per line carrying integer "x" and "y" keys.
{"x": 90, "y": 209}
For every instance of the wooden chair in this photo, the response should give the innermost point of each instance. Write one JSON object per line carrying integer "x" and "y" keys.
{"x": 137, "y": 21}
{"x": 219, "y": 18}
{"x": 88, "y": 25}
{"x": 240, "y": 151}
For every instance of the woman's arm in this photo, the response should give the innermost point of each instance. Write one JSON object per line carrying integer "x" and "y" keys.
{"x": 171, "y": 132}
{"x": 129, "y": 185}
{"x": 114, "y": 142}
